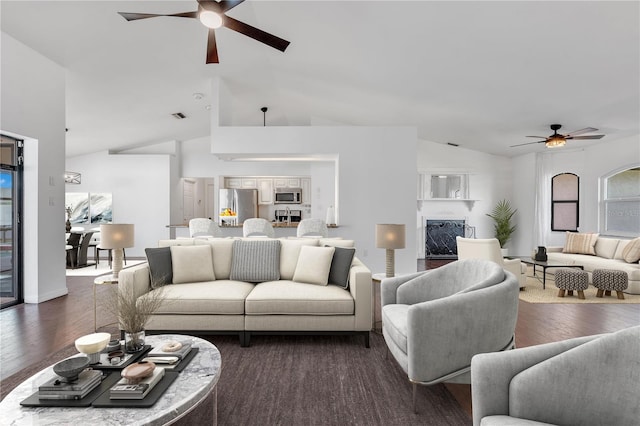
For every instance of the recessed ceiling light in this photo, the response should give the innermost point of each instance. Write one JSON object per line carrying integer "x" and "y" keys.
{"x": 178, "y": 115}
{"x": 197, "y": 96}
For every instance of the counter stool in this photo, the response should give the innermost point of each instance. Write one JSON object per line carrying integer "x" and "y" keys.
{"x": 570, "y": 280}
{"x": 606, "y": 280}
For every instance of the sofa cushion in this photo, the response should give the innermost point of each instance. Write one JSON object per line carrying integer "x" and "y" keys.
{"x": 580, "y": 243}
{"x": 341, "y": 266}
{"x": 255, "y": 260}
{"x": 606, "y": 247}
{"x": 336, "y": 242}
{"x": 176, "y": 242}
{"x": 395, "y": 318}
{"x": 314, "y": 265}
{"x": 509, "y": 421}
{"x": 222, "y": 251}
{"x": 288, "y": 297}
{"x": 160, "y": 268}
{"x": 594, "y": 383}
{"x": 621, "y": 246}
{"x": 192, "y": 264}
{"x": 289, "y": 252}
{"x": 631, "y": 253}
{"x": 221, "y": 297}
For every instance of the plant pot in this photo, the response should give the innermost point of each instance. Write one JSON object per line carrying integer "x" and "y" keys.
{"x": 133, "y": 342}
{"x": 505, "y": 252}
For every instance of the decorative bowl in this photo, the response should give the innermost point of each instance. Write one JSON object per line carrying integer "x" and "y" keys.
{"x": 92, "y": 343}
{"x": 71, "y": 367}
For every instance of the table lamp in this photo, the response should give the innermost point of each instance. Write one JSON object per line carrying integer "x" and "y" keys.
{"x": 116, "y": 237}
{"x": 390, "y": 237}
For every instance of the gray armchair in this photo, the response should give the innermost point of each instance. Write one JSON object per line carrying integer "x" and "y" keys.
{"x": 590, "y": 380}
{"x": 434, "y": 322}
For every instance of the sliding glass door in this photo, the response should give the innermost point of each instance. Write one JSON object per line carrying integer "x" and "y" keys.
{"x": 11, "y": 161}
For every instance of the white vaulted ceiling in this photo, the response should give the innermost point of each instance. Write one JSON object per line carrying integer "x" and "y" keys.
{"x": 479, "y": 74}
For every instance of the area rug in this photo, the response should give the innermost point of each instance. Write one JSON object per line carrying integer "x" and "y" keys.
{"x": 533, "y": 293}
{"x": 102, "y": 268}
{"x": 311, "y": 380}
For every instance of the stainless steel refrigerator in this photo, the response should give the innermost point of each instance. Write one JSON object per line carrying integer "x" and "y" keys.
{"x": 237, "y": 205}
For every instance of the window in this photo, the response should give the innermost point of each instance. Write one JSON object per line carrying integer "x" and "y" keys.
{"x": 620, "y": 203}
{"x": 565, "y": 202}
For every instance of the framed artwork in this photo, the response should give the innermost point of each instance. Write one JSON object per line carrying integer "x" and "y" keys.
{"x": 77, "y": 207}
{"x": 101, "y": 207}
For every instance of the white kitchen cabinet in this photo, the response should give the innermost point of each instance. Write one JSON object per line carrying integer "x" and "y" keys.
{"x": 305, "y": 184}
{"x": 232, "y": 183}
{"x": 280, "y": 182}
{"x": 249, "y": 183}
{"x": 265, "y": 190}
{"x": 293, "y": 183}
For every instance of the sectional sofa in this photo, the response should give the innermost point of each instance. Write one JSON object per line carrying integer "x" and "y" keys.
{"x": 255, "y": 286}
{"x": 595, "y": 252}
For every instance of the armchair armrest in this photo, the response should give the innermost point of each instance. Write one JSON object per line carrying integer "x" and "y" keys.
{"x": 491, "y": 374}
{"x": 389, "y": 287}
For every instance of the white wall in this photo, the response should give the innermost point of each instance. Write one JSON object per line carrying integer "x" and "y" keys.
{"x": 376, "y": 172}
{"x": 33, "y": 107}
{"x": 590, "y": 164}
{"x": 141, "y": 188}
{"x": 489, "y": 182}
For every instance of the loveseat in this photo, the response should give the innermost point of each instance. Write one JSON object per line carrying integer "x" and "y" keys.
{"x": 254, "y": 286}
{"x": 595, "y": 252}
{"x": 589, "y": 380}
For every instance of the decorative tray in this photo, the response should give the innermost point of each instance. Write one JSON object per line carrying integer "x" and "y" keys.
{"x": 104, "y": 363}
{"x": 108, "y": 381}
{"x": 103, "y": 401}
{"x": 180, "y": 365}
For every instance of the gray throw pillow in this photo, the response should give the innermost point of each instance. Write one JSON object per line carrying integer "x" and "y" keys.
{"x": 340, "y": 266}
{"x": 255, "y": 261}
{"x": 160, "y": 266}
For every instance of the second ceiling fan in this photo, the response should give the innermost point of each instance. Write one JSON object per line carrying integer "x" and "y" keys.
{"x": 557, "y": 139}
{"x": 212, "y": 14}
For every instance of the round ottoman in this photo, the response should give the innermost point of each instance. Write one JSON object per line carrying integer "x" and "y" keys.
{"x": 606, "y": 280}
{"x": 570, "y": 280}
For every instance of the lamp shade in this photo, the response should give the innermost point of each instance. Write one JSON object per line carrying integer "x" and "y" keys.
{"x": 390, "y": 236}
{"x": 116, "y": 236}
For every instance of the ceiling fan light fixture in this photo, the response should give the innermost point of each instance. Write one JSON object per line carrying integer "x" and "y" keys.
{"x": 210, "y": 19}
{"x": 555, "y": 142}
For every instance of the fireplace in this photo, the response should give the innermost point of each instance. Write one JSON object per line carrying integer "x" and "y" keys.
{"x": 440, "y": 238}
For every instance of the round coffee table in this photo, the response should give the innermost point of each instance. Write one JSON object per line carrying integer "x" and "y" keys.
{"x": 193, "y": 393}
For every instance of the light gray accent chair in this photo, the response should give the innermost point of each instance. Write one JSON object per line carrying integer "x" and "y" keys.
{"x": 312, "y": 228}
{"x": 203, "y": 227}
{"x": 257, "y": 227}
{"x": 434, "y": 322}
{"x": 593, "y": 380}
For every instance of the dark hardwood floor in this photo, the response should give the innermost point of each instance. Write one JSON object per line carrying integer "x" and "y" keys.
{"x": 29, "y": 332}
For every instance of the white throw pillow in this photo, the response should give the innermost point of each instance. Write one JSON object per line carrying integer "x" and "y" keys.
{"x": 580, "y": 243}
{"x": 192, "y": 264}
{"x": 222, "y": 250}
{"x": 606, "y": 247}
{"x": 336, "y": 242}
{"x": 314, "y": 264}
{"x": 289, "y": 252}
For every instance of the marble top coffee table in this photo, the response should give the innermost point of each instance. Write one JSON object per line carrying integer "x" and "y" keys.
{"x": 193, "y": 390}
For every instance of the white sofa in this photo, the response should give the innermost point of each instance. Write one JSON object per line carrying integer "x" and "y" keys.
{"x": 283, "y": 306}
{"x": 608, "y": 255}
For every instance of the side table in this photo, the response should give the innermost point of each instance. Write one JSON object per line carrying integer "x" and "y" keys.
{"x": 101, "y": 280}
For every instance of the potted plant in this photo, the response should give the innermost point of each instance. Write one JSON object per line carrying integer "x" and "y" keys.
{"x": 133, "y": 314}
{"x": 502, "y": 215}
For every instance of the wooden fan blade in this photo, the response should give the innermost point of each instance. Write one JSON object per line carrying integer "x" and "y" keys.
{"x": 528, "y": 143}
{"x": 255, "y": 33}
{"x": 226, "y": 5}
{"x": 585, "y": 137}
{"x": 136, "y": 16}
{"x": 581, "y": 131}
{"x": 212, "y": 48}
{"x": 542, "y": 137}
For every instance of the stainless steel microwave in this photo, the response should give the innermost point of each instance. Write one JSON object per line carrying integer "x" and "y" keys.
{"x": 288, "y": 196}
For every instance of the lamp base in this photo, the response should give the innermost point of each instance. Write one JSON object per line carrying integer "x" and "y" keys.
{"x": 390, "y": 271}
{"x": 118, "y": 254}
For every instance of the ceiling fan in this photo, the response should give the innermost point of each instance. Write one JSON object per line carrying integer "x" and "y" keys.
{"x": 212, "y": 14}
{"x": 556, "y": 139}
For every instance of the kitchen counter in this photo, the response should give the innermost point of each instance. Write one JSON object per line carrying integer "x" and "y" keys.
{"x": 277, "y": 225}
{"x": 182, "y": 230}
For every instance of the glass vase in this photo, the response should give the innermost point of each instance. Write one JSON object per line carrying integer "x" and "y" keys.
{"x": 133, "y": 342}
